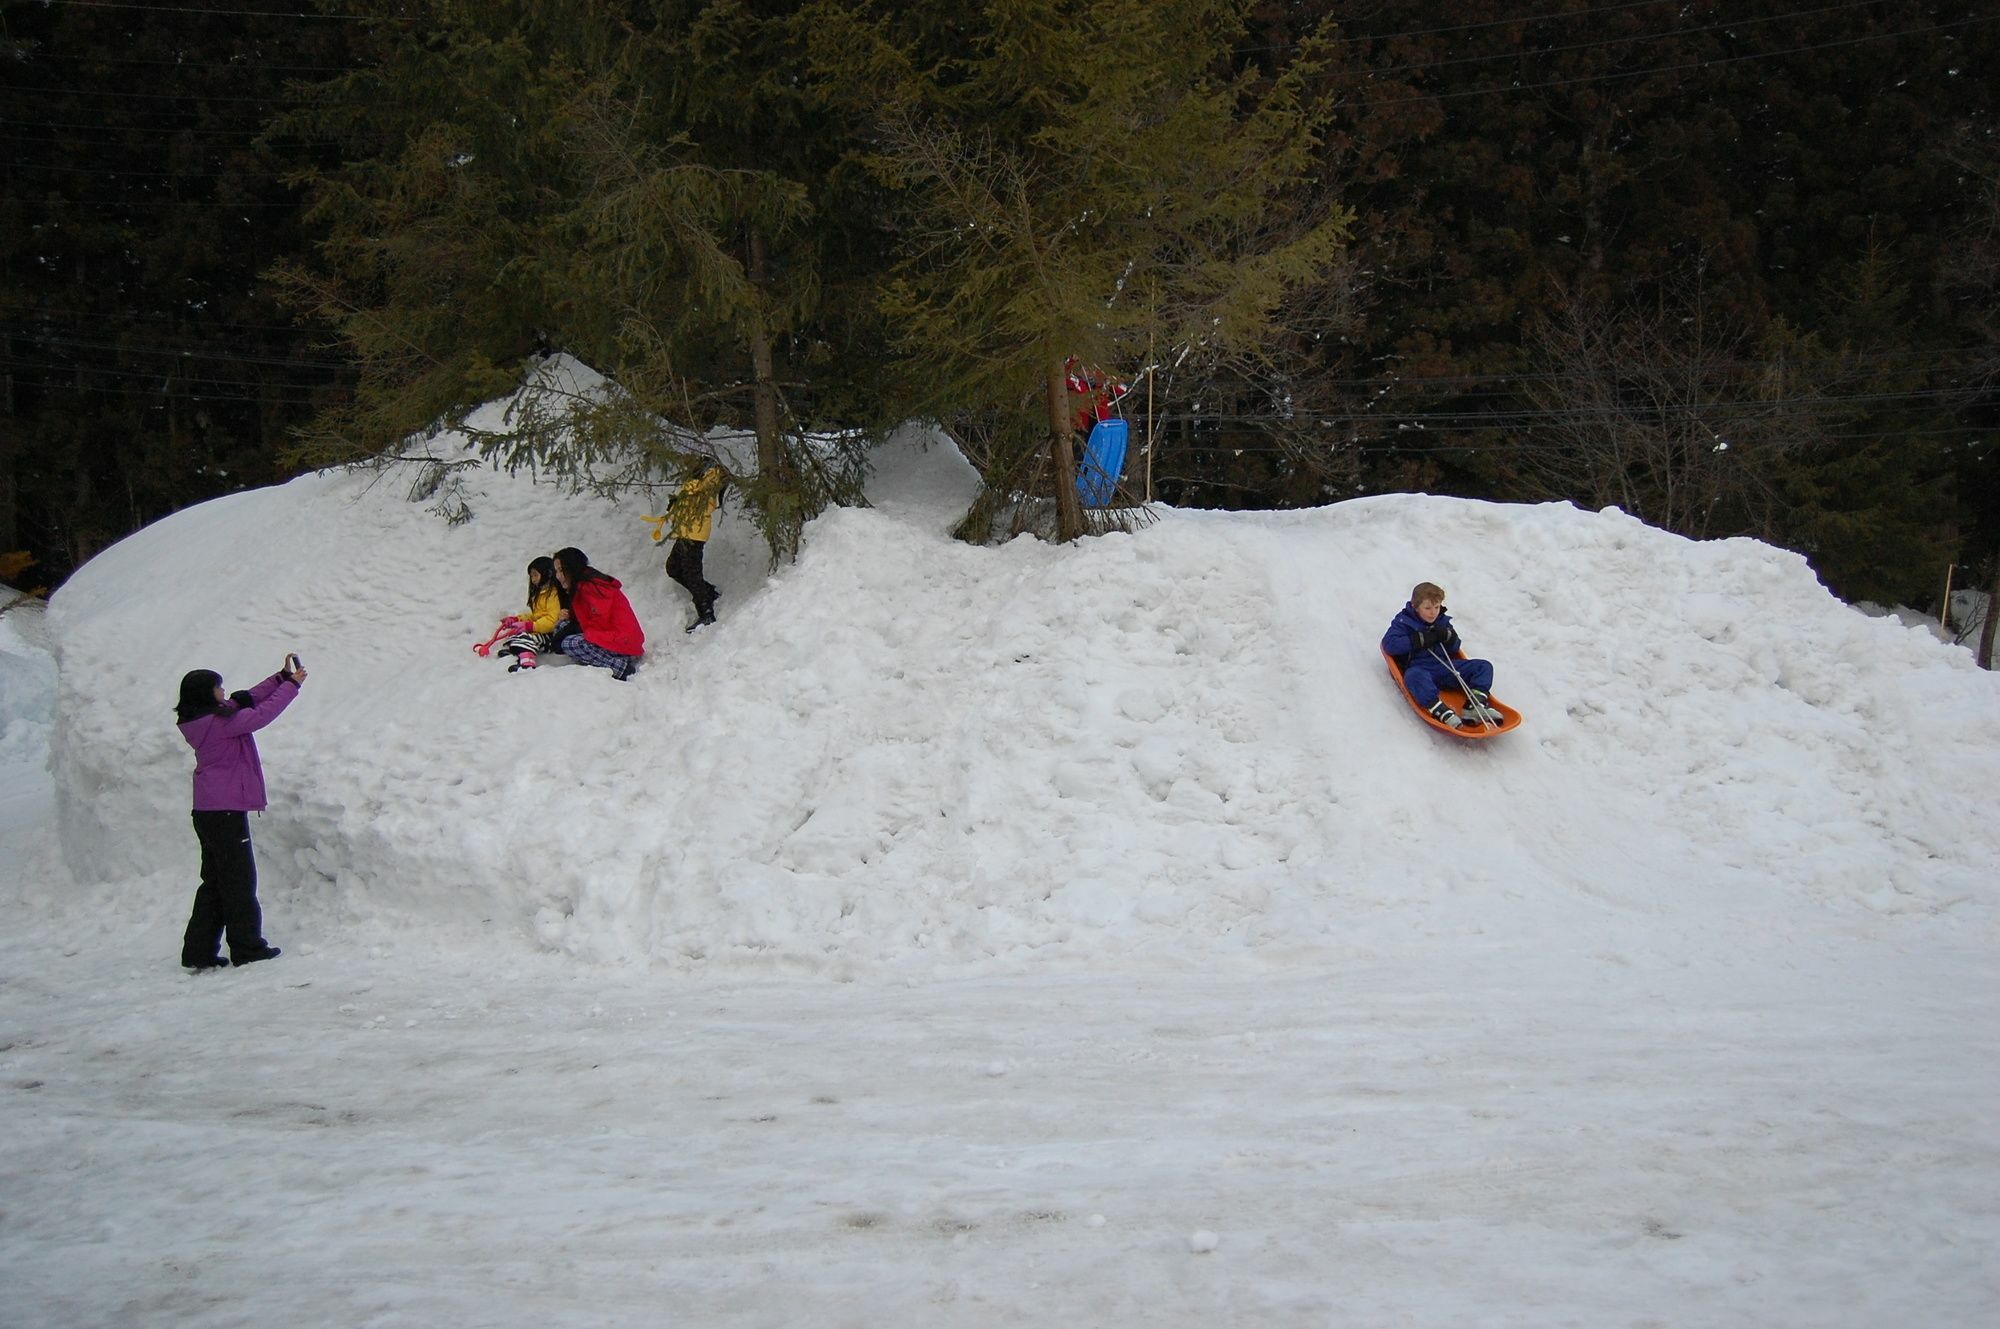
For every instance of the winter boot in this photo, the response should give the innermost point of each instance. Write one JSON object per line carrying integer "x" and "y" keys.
{"x": 252, "y": 957}
{"x": 197, "y": 966}
{"x": 1444, "y": 714}
{"x": 524, "y": 659}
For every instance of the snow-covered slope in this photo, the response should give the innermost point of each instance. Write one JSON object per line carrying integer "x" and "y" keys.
{"x": 27, "y": 699}
{"x": 1197, "y": 983}
{"x": 904, "y": 750}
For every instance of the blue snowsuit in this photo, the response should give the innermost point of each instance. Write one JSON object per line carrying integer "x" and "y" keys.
{"x": 1410, "y": 642}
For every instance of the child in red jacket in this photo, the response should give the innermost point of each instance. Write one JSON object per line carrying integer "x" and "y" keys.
{"x": 603, "y": 630}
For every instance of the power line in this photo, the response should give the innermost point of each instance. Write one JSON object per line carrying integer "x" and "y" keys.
{"x": 1464, "y": 386}
{"x": 73, "y": 91}
{"x": 1626, "y": 40}
{"x": 1674, "y": 69}
{"x": 227, "y": 13}
{"x": 1518, "y": 54}
{"x": 95, "y": 318}
{"x": 239, "y": 66}
{"x": 1363, "y": 103}
{"x": 1170, "y": 443}
{"x": 191, "y": 389}
{"x": 118, "y": 173}
{"x": 187, "y": 353}
{"x": 1511, "y": 55}
{"x": 245, "y": 134}
{"x": 1717, "y": 409}
{"x": 60, "y": 367}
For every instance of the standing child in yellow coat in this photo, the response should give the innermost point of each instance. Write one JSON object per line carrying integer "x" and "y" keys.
{"x": 545, "y": 610}
{"x": 692, "y": 515}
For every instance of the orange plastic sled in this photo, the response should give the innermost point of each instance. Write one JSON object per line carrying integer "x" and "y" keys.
{"x": 1510, "y": 719}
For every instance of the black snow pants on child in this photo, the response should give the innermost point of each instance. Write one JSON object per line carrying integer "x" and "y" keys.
{"x": 684, "y": 566}
{"x": 226, "y": 900}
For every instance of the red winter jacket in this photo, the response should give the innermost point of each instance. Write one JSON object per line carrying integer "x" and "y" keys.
{"x": 604, "y": 614}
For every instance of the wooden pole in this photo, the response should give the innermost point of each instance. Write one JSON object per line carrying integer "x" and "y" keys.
{"x": 1149, "y": 417}
{"x": 1985, "y": 656}
{"x": 1944, "y": 614}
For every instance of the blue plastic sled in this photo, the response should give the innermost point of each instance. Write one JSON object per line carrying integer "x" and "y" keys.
{"x": 1103, "y": 463}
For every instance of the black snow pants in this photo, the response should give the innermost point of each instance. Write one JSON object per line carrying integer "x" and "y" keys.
{"x": 227, "y": 896}
{"x": 684, "y": 566}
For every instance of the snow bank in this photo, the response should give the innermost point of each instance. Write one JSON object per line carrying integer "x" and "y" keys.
{"x": 903, "y": 750}
{"x": 27, "y": 699}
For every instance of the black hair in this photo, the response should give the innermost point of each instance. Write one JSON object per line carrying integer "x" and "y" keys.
{"x": 578, "y": 563}
{"x": 547, "y": 567}
{"x": 197, "y": 695}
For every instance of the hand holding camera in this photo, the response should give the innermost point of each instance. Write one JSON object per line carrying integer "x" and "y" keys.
{"x": 293, "y": 669}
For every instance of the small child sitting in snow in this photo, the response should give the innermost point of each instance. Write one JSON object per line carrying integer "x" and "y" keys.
{"x": 600, "y": 629}
{"x": 1422, "y": 641}
{"x": 545, "y": 608}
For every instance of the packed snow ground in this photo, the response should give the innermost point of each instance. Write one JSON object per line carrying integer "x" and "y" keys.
{"x": 970, "y": 937}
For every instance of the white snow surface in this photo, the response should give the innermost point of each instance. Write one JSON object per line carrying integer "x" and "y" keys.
{"x": 972, "y": 936}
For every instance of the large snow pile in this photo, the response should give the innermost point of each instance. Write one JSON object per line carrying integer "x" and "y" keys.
{"x": 27, "y": 698}
{"x": 1673, "y": 1007}
{"x": 906, "y": 750}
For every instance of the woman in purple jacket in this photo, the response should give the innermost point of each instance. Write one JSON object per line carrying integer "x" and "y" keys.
{"x": 228, "y": 787}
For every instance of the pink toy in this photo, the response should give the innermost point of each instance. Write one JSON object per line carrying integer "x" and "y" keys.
{"x": 510, "y": 626}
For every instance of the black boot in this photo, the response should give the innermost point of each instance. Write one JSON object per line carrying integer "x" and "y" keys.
{"x": 252, "y": 957}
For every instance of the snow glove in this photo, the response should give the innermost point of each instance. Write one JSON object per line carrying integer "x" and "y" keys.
{"x": 1437, "y": 634}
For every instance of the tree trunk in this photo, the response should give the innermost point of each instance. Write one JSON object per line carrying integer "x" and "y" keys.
{"x": 773, "y": 466}
{"x": 1069, "y": 508}
{"x": 770, "y": 447}
{"x": 1985, "y": 655}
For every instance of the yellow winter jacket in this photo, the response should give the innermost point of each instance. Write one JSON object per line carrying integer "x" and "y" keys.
{"x": 693, "y": 508}
{"x": 545, "y": 608}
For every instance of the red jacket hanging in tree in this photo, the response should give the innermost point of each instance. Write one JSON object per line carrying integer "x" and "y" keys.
{"x": 1098, "y": 393}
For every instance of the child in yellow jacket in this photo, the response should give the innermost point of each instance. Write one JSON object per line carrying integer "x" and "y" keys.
{"x": 692, "y": 516}
{"x": 545, "y": 611}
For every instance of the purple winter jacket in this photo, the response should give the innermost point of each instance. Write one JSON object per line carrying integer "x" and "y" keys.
{"x": 227, "y": 775}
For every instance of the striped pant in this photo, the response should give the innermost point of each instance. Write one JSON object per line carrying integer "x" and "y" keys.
{"x": 577, "y": 648}
{"x": 538, "y": 642}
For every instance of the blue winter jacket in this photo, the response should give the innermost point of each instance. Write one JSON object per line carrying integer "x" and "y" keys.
{"x": 1399, "y": 640}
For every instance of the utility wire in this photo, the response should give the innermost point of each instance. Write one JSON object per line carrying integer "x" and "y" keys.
{"x": 238, "y": 66}
{"x": 1717, "y": 412}
{"x": 1373, "y": 71}
{"x": 1684, "y": 67}
{"x": 1593, "y": 12}
{"x": 1628, "y": 39}
{"x": 188, "y": 353}
{"x": 161, "y": 10}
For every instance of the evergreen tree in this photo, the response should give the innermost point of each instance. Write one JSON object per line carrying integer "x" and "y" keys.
{"x": 1061, "y": 206}
{"x": 585, "y": 175}
{"x": 1594, "y": 154}
{"x": 1870, "y": 502}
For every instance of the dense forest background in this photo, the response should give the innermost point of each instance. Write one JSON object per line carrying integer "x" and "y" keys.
{"x": 1729, "y": 264}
